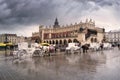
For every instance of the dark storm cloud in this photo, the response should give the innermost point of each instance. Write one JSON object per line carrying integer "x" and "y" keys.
{"x": 24, "y": 12}
{"x": 28, "y": 12}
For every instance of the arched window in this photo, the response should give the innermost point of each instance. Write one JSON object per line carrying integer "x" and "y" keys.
{"x": 69, "y": 41}
{"x": 50, "y": 42}
{"x": 91, "y": 39}
{"x": 53, "y": 42}
{"x": 56, "y": 41}
{"x": 65, "y": 41}
{"x": 75, "y": 40}
{"x": 60, "y": 42}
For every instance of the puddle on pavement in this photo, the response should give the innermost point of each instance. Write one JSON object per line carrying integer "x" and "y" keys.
{"x": 86, "y": 66}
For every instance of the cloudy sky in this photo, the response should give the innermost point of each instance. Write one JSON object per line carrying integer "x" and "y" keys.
{"x": 24, "y": 16}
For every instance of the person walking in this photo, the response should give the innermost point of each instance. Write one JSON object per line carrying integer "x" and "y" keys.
{"x": 101, "y": 46}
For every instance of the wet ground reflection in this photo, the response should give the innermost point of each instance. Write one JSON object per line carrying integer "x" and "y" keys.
{"x": 102, "y": 65}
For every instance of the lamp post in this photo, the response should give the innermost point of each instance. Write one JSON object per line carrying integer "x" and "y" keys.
{"x": 6, "y": 41}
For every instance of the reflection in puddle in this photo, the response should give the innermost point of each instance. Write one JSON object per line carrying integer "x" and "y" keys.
{"x": 68, "y": 67}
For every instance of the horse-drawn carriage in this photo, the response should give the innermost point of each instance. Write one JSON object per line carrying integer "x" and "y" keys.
{"x": 27, "y": 50}
{"x": 72, "y": 48}
{"x": 33, "y": 49}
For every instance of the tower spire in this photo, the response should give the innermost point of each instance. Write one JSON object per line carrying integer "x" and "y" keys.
{"x": 56, "y": 23}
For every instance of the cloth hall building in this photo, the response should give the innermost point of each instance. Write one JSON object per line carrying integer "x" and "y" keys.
{"x": 83, "y": 32}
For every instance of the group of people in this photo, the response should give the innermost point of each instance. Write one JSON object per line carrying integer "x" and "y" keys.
{"x": 86, "y": 47}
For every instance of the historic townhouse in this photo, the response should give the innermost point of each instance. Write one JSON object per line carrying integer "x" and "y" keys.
{"x": 113, "y": 36}
{"x": 13, "y": 38}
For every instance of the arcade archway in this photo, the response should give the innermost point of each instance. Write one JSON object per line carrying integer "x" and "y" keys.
{"x": 69, "y": 41}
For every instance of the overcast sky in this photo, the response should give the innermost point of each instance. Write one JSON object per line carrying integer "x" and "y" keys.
{"x": 24, "y": 16}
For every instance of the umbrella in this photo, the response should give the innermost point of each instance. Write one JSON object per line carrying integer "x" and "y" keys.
{"x": 2, "y": 44}
{"x": 9, "y": 44}
{"x": 45, "y": 44}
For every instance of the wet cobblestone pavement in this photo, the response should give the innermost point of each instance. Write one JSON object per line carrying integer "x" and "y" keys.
{"x": 101, "y": 65}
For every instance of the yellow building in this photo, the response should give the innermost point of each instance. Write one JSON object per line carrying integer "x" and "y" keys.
{"x": 83, "y": 32}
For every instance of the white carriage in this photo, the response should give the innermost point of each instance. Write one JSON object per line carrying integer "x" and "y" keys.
{"x": 27, "y": 50}
{"x": 72, "y": 47}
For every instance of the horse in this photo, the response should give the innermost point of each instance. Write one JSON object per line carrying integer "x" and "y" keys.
{"x": 85, "y": 48}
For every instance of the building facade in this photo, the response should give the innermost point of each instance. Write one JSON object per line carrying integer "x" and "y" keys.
{"x": 20, "y": 39}
{"x": 36, "y": 37}
{"x": 113, "y": 36}
{"x": 13, "y": 38}
{"x": 83, "y": 32}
